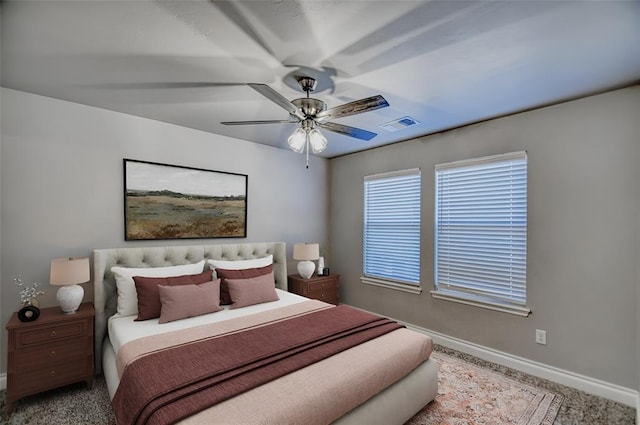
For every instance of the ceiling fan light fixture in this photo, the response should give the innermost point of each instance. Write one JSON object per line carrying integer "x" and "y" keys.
{"x": 310, "y": 112}
{"x": 317, "y": 141}
{"x": 297, "y": 140}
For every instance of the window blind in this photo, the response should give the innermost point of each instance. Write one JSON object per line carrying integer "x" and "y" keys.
{"x": 392, "y": 226}
{"x": 481, "y": 228}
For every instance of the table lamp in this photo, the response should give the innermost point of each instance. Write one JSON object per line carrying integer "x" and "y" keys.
{"x": 306, "y": 252}
{"x": 67, "y": 273}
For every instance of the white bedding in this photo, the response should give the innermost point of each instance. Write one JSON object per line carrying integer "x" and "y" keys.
{"x": 123, "y": 329}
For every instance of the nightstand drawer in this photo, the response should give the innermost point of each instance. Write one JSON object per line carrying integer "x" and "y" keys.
{"x": 54, "y": 333}
{"x": 51, "y": 377}
{"x": 51, "y": 354}
{"x": 319, "y": 286}
{"x": 323, "y": 288}
{"x": 327, "y": 296}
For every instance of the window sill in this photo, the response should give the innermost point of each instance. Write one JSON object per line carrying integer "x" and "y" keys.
{"x": 504, "y": 308}
{"x": 404, "y": 287}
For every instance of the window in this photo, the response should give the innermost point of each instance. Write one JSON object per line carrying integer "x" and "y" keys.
{"x": 392, "y": 230}
{"x": 481, "y": 232}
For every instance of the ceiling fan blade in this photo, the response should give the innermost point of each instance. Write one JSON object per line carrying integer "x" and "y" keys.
{"x": 356, "y": 107}
{"x": 358, "y": 133}
{"x": 259, "y": 122}
{"x": 164, "y": 85}
{"x": 278, "y": 99}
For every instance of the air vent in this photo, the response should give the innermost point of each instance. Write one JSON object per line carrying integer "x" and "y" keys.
{"x": 399, "y": 124}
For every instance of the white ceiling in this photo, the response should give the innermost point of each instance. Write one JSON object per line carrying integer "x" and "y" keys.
{"x": 443, "y": 63}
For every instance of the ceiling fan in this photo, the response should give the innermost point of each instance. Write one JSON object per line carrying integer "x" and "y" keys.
{"x": 312, "y": 113}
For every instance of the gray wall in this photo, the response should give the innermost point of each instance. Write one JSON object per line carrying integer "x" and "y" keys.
{"x": 1, "y": 330}
{"x": 637, "y": 367}
{"x": 62, "y": 188}
{"x": 584, "y": 170}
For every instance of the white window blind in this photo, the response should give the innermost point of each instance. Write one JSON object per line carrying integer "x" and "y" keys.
{"x": 392, "y": 226}
{"x": 481, "y": 229}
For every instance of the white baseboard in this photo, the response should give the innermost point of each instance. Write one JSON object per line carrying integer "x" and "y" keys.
{"x": 584, "y": 383}
{"x": 3, "y": 381}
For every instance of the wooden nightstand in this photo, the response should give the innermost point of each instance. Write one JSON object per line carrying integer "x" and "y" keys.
{"x": 52, "y": 351}
{"x": 323, "y": 288}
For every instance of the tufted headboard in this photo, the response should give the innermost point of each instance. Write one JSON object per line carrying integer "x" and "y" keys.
{"x": 104, "y": 286}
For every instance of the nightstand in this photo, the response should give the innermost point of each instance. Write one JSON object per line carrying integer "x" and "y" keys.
{"x": 52, "y": 351}
{"x": 323, "y": 288}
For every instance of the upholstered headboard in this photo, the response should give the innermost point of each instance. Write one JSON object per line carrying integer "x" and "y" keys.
{"x": 104, "y": 286}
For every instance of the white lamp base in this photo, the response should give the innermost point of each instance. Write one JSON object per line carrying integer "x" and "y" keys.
{"x": 306, "y": 269}
{"x": 70, "y": 298}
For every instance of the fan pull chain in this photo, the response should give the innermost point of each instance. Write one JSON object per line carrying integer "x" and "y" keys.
{"x": 307, "y": 148}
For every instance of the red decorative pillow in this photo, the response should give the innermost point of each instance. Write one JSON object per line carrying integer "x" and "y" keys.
{"x": 183, "y": 301}
{"x": 225, "y": 274}
{"x": 254, "y": 290}
{"x": 149, "y": 296}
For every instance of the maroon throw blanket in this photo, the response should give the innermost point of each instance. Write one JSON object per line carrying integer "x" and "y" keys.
{"x": 169, "y": 385}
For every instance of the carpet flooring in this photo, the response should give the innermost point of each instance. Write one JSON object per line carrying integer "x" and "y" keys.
{"x": 74, "y": 404}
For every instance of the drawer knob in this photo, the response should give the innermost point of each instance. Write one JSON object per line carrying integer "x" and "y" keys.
{"x": 53, "y": 353}
{"x": 53, "y": 332}
{"x": 53, "y": 373}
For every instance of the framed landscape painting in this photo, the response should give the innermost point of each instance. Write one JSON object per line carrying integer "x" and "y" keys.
{"x": 163, "y": 201}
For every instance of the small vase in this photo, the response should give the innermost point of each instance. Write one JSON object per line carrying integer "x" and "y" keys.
{"x": 28, "y": 312}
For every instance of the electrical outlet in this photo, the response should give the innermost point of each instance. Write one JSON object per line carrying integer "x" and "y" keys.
{"x": 541, "y": 337}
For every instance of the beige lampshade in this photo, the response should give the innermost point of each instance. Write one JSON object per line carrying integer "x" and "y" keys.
{"x": 306, "y": 251}
{"x": 69, "y": 271}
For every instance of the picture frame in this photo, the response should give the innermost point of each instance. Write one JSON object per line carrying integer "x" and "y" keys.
{"x": 164, "y": 201}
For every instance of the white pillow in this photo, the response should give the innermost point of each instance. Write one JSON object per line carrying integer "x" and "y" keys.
{"x": 241, "y": 264}
{"x": 127, "y": 296}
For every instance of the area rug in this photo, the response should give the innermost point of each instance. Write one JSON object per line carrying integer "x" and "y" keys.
{"x": 468, "y": 394}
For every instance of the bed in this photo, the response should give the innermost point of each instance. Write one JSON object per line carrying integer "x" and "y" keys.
{"x": 331, "y": 390}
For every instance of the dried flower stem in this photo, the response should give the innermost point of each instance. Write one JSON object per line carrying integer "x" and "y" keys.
{"x": 27, "y": 292}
